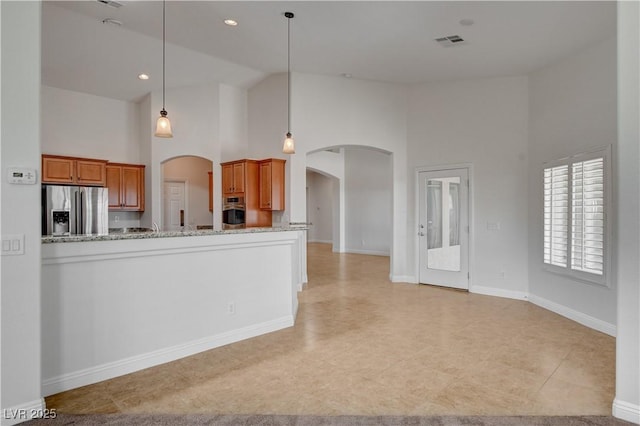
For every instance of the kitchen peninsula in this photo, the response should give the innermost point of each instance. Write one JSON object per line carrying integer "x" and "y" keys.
{"x": 120, "y": 303}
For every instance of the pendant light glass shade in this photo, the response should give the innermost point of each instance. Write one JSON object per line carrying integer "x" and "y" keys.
{"x": 163, "y": 125}
{"x": 289, "y": 146}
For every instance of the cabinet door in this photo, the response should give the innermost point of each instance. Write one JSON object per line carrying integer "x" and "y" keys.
{"x": 57, "y": 170}
{"x": 210, "y": 191}
{"x": 133, "y": 188}
{"x": 272, "y": 184}
{"x": 91, "y": 172}
{"x": 227, "y": 179}
{"x": 238, "y": 177}
{"x": 265, "y": 186}
{"x": 277, "y": 185}
{"x": 114, "y": 185}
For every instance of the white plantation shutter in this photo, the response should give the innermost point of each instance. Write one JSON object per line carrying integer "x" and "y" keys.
{"x": 587, "y": 225}
{"x": 575, "y": 216}
{"x": 556, "y": 215}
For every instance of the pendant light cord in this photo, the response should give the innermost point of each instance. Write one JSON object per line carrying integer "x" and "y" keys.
{"x": 289, "y": 72}
{"x": 163, "y": 48}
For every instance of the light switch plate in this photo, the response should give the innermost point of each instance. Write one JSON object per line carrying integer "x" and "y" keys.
{"x": 13, "y": 245}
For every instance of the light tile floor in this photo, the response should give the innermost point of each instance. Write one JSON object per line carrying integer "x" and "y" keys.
{"x": 362, "y": 345}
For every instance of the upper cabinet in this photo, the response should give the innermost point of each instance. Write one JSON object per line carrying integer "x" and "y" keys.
{"x": 70, "y": 170}
{"x": 233, "y": 177}
{"x": 272, "y": 184}
{"x": 126, "y": 187}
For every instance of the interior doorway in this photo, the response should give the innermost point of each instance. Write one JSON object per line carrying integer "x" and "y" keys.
{"x": 443, "y": 227}
{"x": 174, "y": 209}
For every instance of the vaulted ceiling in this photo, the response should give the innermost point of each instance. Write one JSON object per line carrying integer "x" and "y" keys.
{"x": 391, "y": 41}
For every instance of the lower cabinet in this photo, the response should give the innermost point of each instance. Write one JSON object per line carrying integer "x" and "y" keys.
{"x": 126, "y": 187}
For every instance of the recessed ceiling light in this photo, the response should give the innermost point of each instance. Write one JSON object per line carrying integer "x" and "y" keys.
{"x": 346, "y": 75}
{"x": 466, "y": 22}
{"x": 143, "y": 76}
{"x": 231, "y": 22}
{"x": 110, "y": 3}
{"x": 111, "y": 21}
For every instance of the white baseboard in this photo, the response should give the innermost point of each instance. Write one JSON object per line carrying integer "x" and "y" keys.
{"x": 139, "y": 362}
{"x": 369, "y": 252}
{"x": 626, "y": 411}
{"x": 574, "y": 315}
{"x": 403, "y": 279}
{"x": 499, "y": 292}
{"x": 23, "y": 412}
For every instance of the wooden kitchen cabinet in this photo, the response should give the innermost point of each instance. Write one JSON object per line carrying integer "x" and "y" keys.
{"x": 233, "y": 177}
{"x": 210, "y": 191}
{"x": 126, "y": 187}
{"x": 241, "y": 178}
{"x": 73, "y": 171}
{"x": 272, "y": 184}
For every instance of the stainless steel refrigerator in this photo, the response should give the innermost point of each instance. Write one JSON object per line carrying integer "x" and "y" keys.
{"x": 74, "y": 210}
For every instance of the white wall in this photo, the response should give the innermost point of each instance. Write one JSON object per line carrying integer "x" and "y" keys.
{"x": 320, "y": 208}
{"x": 627, "y": 402}
{"x": 82, "y": 125}
{"x": 194, "y": 171}
{"x": 20, "y": 354}
{"x": 368, "y": 196}
{"x": 233, "y": 123}
{"x": 572, "y": 110}
{"x": 332, "y": 111}
{"x": 484, "y": 123}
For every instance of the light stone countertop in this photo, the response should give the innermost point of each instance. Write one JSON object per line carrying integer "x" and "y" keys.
{"x": 168, "y": 234}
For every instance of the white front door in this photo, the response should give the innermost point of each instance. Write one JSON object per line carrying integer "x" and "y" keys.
{"x": 174, "y": 206}
{"x": 443, "y": 229}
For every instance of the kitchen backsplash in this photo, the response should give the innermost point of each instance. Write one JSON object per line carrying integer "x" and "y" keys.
{"x": 124, "y": 219}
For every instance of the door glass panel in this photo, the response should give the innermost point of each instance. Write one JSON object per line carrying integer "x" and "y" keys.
{"x": 434, "y": 214}
{"x": 443, "y": 224}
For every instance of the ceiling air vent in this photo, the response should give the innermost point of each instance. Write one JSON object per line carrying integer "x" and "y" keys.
{"x": 110, "y": 3}
{"x": 449, "y": 41}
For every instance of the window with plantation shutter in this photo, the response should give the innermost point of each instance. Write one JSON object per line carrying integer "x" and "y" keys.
{"x": 587, "y": 210}
{"x": 575, "y": 204}
{"x": 556, "y": 215}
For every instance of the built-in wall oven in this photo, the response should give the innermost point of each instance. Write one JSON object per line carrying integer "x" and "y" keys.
{"x": 233, "y": 209}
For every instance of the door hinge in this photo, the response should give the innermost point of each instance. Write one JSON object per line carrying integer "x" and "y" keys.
{"x": 467, "y": 229}
{"x": 468, "y": 276}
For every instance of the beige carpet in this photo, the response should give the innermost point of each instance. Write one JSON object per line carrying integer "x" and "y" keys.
{"x": 277, "y": 420}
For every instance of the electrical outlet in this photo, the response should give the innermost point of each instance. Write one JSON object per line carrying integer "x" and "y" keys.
{"x": 116, "y": 219}
{"x": 231, "y": 308}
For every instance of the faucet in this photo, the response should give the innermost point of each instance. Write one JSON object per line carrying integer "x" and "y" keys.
{"x": 155, "y": 227}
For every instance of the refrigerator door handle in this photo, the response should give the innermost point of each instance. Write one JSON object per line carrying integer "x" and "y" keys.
{"x": 75, "y": 207}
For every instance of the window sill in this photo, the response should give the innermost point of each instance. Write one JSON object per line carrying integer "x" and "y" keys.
{"x": 582, "y": 277}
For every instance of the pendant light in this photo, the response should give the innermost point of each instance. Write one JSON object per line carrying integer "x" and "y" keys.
{"x": 289, "y": 144}
{"x": 163, "y": 125}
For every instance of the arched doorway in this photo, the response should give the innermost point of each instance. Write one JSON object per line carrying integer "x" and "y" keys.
{"x": 186, "y": 194}
{"x": 351, "y": 188}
